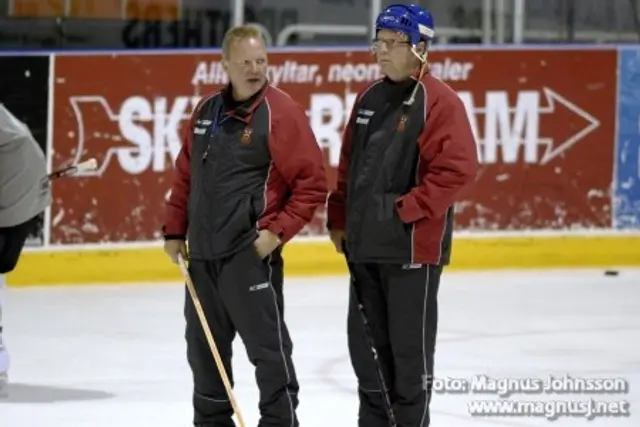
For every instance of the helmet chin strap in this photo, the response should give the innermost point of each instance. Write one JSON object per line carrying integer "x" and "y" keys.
{"x": 422, "y": 58}
{"x": 423, "y": 67}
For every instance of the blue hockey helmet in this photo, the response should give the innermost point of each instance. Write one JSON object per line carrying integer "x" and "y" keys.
{"x": 409, "y": 19}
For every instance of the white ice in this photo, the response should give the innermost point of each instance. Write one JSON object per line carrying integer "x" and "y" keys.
{"x": 104, "y": 356}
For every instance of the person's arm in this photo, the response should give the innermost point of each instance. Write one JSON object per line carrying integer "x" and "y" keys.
{"x": 450, "y": 149}
{"x": 299, "y": 160}
{"x": 337, "y": 200}
{"x": 176, "y": 217}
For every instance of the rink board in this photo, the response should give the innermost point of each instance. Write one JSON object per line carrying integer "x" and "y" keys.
{"x": 572, "y": 164}
{"x": 318, "y": 258}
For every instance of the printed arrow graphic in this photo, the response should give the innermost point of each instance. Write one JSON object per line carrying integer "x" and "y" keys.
{"x": 81, "y": 150}
{"x": 554, "y": 150}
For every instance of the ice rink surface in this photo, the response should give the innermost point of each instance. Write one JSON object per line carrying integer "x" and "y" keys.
{"x": 105, "y": 356}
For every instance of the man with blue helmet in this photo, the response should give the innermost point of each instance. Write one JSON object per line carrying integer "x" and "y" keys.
{"x": 408, "y": 154}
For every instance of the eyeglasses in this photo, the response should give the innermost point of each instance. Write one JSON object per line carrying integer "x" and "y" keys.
{"x": 247, "y": 63}
{"x": 388, "y": 43}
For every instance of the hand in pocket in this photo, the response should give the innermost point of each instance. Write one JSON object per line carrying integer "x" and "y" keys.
{"x": 266, "y": 243}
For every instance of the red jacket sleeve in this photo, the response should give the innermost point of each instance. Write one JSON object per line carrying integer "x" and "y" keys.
{"x": 299, "y": 160}
{"x": 176, "y": 219}
{"x": 451, "y": 155}
{"x": 337, "y": 200}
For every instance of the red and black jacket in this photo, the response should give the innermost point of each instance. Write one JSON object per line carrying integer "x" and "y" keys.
{"x": 401, "y": 170}
{"x": 243, "y": 168}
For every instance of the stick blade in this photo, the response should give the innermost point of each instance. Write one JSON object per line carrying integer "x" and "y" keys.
{"x": 88, "y": 165}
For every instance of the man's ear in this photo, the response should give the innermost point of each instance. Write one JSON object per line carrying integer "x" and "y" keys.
{"x": 225, "y": 65}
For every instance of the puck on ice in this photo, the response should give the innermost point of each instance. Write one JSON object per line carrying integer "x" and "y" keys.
{"x": 611, "y": 272}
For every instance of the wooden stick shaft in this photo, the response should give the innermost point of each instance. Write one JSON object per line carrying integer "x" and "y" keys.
{"x": 210, "y": 340}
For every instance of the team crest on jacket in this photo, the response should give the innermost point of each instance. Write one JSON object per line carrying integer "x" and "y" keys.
{"x": 245, "y": 138}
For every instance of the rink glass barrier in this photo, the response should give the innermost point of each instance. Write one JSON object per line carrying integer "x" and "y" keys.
{"x": 557, "y": 131}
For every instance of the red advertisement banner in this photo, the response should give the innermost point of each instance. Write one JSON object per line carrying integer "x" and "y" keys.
{"x": 544, "y": 122}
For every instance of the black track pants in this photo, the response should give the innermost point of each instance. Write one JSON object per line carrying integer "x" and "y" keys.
{"x": 401, "y": 307}
{"x": 241, "y": 294}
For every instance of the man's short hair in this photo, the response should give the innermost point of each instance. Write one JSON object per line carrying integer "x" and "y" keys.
{"x": 241, "y": 32}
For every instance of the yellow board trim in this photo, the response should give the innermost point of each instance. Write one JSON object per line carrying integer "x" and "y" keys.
{"x": 131, "y": 265}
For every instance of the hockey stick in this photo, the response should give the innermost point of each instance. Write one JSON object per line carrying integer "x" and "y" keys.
{"x": 374, "y": 352}
{"x": 86, "y": 166}
{"x": 212, "y": 344}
